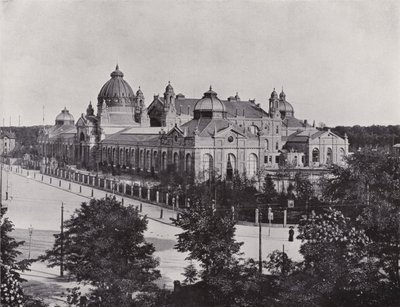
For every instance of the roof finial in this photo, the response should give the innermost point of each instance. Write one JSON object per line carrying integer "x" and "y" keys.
{"x": 169, "y": 82}
{"x": 210, "y": 88}
{"x": 117, "y": 67}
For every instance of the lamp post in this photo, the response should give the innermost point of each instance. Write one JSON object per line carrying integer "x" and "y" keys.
{"x": 30, "y": 230}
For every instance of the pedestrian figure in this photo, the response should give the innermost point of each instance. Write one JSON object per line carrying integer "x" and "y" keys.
{"x": 291, "y": 234}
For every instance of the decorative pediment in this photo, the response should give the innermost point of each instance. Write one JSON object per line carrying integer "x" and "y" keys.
{"x": 81, "y": 122}
{"x": 229, "y": 130}
{"x": 175, "y": 131}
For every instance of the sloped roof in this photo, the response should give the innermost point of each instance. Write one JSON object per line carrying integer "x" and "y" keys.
{"x": 122, "y": 119}
{"x": 293, "y": 122}
{"x": 304, "y": 136}
{"x": 208, "y": 126}
{"x": 62, "y": 131}
{"x": 125, "y": 137}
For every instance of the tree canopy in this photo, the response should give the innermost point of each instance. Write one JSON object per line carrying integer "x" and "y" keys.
{"x": 104, "y": 245}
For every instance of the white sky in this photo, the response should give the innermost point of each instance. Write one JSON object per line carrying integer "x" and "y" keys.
{"x": 338, "y": 61}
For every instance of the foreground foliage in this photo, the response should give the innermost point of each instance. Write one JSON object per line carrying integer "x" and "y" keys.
{"x": 104, "y": 245}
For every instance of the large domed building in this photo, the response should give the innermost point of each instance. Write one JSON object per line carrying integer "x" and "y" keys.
{"x": 193, "y": 136}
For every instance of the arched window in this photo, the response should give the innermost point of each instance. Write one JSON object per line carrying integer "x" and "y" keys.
{"x": 141, "y": 159}
{"x": 230, "y": 166}
{"x": 164, "y": 161}
{"x": 266, "y": 144}
{"x": 208, "y": 166}
{"x": 315, "y": 155}
{"x": 148, "y": 160}
{"x": 188, "y": 164}
{"x": 329, "y": 156}
{"x": 109, "y": 158}
{"x": 155, "y": 160}
{"x": 82, "y": 137}
{"x": 252, "y": 165}
{"x": 126, "y": 157}
{"x": 121, "y": 157}
{"x": 132, "y": 157}
{"x": 176, "y": 162}
{"x": 114, "y": 159}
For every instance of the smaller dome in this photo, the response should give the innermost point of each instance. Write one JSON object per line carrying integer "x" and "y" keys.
{"x": 210, "y": 102}
{"x": 274, "y": 94}
{"x": 169, "y": 87}
{"x": 64, "y": 118}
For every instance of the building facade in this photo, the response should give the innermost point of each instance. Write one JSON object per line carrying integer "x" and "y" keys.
{"x": 7, "y": 142}
{"x": 192, "y": 136}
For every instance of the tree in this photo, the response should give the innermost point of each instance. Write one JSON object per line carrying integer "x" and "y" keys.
{"x": 9, "y": 249}
{"x": 269, "y": 192}
{"x": 225, "y": 278}
{"x": 336, "y": 270}
{"x": 104, "y": 245}
{"x": 208, "y": 237}
{"x": 11, "y": 290}
{"x": 304, "y": 188}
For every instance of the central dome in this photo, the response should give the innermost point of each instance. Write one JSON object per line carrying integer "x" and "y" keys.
{"x": 116, "y": 87}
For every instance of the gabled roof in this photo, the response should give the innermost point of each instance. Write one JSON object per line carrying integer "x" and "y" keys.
{"x": 177, "y": 129}
{"x": 8, "y": 134}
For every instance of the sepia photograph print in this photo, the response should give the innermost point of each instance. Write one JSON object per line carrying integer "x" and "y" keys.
{"x": 176, "y": 153}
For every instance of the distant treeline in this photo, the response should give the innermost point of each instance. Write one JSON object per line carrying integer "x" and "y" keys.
{"x": 371, "y": 136}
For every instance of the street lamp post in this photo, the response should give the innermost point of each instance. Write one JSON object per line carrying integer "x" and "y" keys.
{"x": 30, "y": 230}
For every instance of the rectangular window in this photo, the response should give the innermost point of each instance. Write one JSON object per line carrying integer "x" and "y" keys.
{"x": 265, "y": 159}
{"x": 270, "y": 159}
{"x": 277, "y": 159}
{"x": 277, "y": 129}
{"x": 277, "y": 146}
